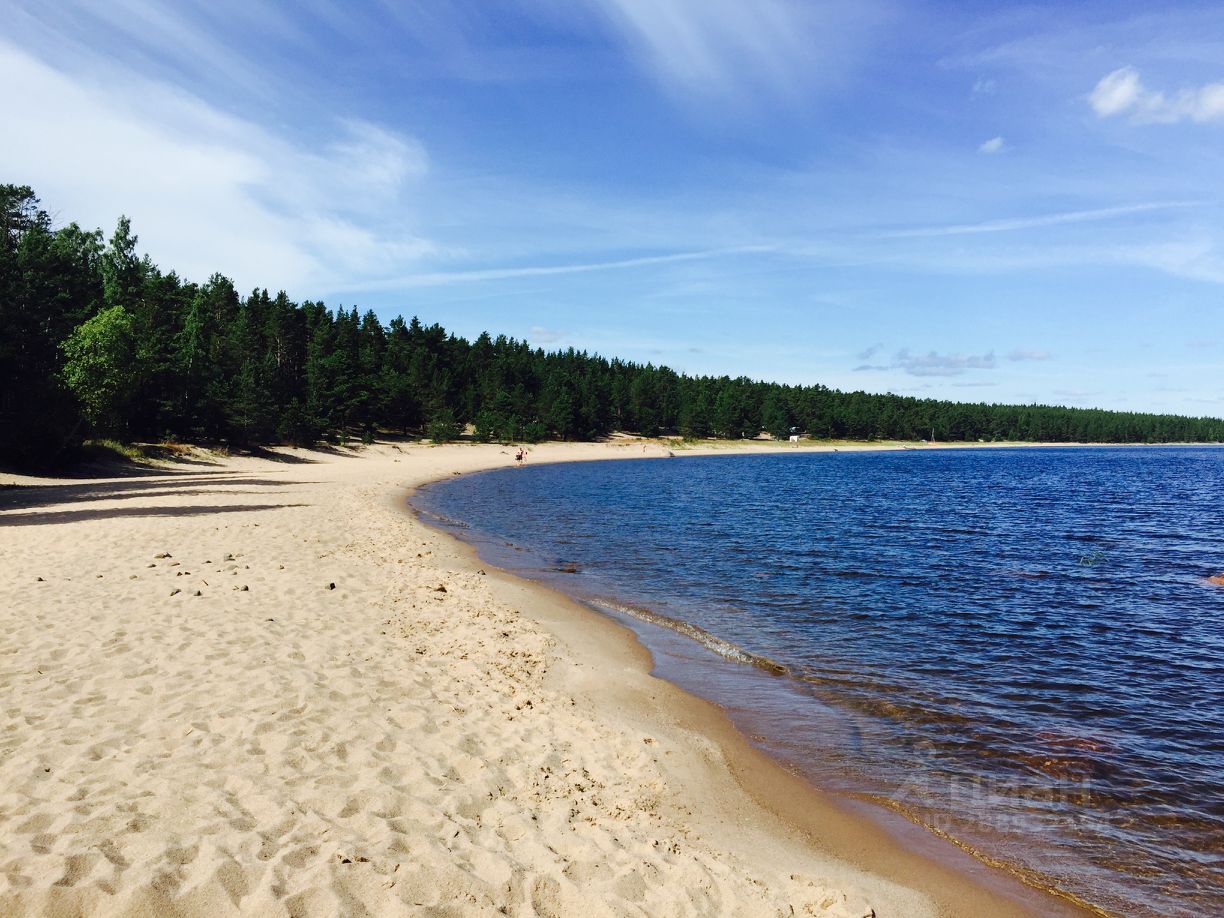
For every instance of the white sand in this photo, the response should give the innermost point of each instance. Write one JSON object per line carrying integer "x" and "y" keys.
{"x": 272, "y": 746}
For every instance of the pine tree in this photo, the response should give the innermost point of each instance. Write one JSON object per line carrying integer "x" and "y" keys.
{"x": 96, "y": 338}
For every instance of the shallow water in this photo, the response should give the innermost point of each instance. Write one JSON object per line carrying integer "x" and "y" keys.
{"x": 1015, "y": 647}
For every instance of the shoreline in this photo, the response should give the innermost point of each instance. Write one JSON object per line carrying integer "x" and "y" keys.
{"x": 880, "y": 839}
{"x": 302, "y": 728}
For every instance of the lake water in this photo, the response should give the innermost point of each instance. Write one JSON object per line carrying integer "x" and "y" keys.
{"x": 1018, "y": 648}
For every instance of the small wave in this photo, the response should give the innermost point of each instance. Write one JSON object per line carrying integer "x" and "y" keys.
{"x": 442, "y": 519}
{"x": 722, "y": 647}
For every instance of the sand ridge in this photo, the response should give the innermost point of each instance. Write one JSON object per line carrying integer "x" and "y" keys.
{"x": 261, "y": 688}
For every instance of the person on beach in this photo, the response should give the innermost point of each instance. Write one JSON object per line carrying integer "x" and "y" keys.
{"x": 518, "y": 457}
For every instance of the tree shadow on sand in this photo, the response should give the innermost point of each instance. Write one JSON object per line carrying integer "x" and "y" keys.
{"x": 41, "y": 495}
{"x": 268, "y": 455}
{"x": 74, "y": 516}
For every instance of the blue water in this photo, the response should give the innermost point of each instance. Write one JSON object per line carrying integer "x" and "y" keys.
{"x": 1018, "y": 648}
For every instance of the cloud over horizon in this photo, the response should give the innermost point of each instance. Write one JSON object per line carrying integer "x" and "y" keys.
{"x": 934, "y": 364}
{"x": 1018, "y": 354}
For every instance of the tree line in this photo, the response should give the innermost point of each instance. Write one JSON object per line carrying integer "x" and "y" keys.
{"x": 97, "y": 341}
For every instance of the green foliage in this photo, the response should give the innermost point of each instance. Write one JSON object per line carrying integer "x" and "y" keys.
{"x": 96, "y": 337}
{"x": 534, "y": 432}
{"x": 103, "y": 368}
{"x": 112, "y": 450}
{"x": 443, "y": 427}
{"x": 297, "y": 426}
{"x": 49, "y": 284}
{"x": 774, "y": 416}
{"x": 729, "y": 418}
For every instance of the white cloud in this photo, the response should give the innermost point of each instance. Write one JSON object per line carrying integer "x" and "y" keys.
{"x": 993, "y": 145}
{"x": 934, "y": 364}
{"x": 727, "y": 48}
{"x": 1022, "y": 353}
{"x": 444, "y": 278}
{"x": 1075, "y": 394}
{"x": 1123, "y": 93}
{"x": 1116, "y": 92}
{"x": 208, "y": 191}
{"x": 541, "y": 335}
{"x": 1044, "y": 220}
{"x": 1197, "y": 259}
{"x": 984, "y": 87}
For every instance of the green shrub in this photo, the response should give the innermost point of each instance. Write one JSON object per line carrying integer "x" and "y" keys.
{"x": 442, "y": 427}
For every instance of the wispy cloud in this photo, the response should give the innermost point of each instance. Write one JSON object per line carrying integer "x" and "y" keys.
{"x": 541, "y": 335}
{"x": 1024, "y": 223}
{"x": 993, "y": 145}
{"x": 443, "y": 278}
{"x": 1122, "y": 93}
{"x": 208, "y": 191}
{"x": 1198, "y": 259}
{"x": 1020, "y": 353}
{"x": 729, "y": 49}
{"x": 868, "y": 352}
{"x": 934, "y": 364}
{"x": 1075, "y": 394}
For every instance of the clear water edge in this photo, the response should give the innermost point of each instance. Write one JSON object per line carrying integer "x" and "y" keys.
{"x": 649, "y": 626}
{"x": 824, "y": 764}
{"x": 900, "y": 821}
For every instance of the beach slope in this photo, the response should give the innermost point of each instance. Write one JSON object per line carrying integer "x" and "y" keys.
{"x": 261, "y": 687}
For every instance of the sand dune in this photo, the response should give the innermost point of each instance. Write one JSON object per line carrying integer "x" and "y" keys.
{"x": 262, "y": 688}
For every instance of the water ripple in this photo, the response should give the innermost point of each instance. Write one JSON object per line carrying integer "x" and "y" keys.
{"x": 1017, "y": 648}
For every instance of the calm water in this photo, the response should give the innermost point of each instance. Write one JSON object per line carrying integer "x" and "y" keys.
{"x": 1017, "y": 648}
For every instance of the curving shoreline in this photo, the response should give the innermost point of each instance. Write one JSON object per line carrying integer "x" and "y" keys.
{"x": 382, "y": 744}
{"x": 870, "y": 833}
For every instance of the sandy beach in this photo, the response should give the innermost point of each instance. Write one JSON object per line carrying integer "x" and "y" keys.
{"x": 260, "y": 686}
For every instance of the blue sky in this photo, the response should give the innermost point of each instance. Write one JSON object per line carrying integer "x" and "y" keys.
{"x": 972, "y": 201}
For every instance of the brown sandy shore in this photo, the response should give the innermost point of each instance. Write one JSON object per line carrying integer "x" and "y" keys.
{"x": 195, "y": 721}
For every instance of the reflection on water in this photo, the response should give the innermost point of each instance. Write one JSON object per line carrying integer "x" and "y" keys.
{"x": 1018, "y": 648}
